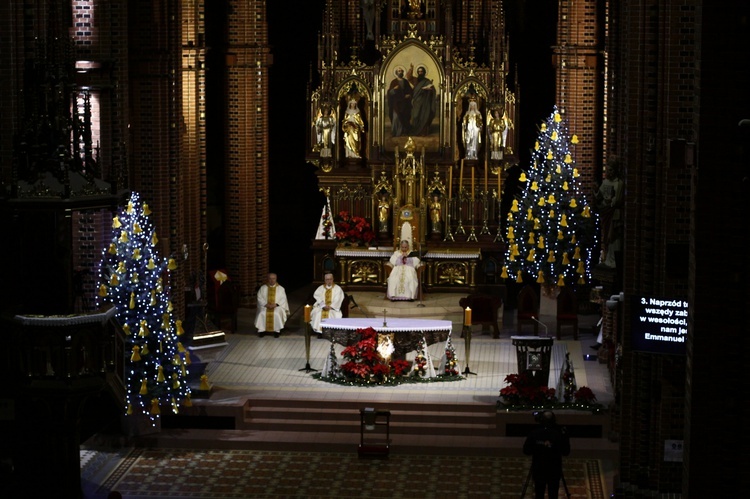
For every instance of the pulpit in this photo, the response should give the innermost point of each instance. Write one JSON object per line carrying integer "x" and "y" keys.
{"x": 533, "y": 355}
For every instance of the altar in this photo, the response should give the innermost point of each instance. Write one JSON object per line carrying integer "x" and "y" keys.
{"x": 407, "y": 333}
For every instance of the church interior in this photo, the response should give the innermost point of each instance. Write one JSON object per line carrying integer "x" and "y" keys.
{"x": 568, "y": 176}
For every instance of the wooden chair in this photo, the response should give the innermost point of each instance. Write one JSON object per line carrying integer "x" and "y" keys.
{"x": 528, "y": 307}
{"x": 484, "y": 310}
{"x": 567, "y": 311}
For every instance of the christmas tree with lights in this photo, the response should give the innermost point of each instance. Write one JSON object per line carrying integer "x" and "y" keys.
{"x": 551, "y": 231}
{"x": 135, "y": 279}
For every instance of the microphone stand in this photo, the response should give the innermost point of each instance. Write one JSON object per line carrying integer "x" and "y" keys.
{"x": 546, "y": 331}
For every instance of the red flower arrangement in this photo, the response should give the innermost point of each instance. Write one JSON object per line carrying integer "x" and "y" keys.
{"x": 584, "y": 396}
{"x": 365, "y": 365}
{"x": 520, "y": 392}
{"x": 351, "y": 229}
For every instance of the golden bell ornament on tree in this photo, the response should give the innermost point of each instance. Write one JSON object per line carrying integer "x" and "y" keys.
{"x": 116, "y": 223}
{"x": 180, "y": 347}
{"x": 564, "y": 220}
{"x": 514, "y": 206}
{"x": 204, "y": 383}
{"x": 129, "y": 210}
{"x": 121, "y": 268}
{"x": 131, "y": 305}
{"x": 558, "y": 170}
{"x": 575, "y": 173}
{"x": 548, "y": 178}
{"x": 135, "y": 278}
{"x": 511, "y": 235}
{"x": 543, "y": 128}
{"x": 532, "y": 255}
{"x": 577, "y": 254}
{"x": 180, "y": 331}
{"x": 183, "y": 370}
{"x": 153, "y": 298}
{"x": 537, "y": 225}
{"x": 504, "y": 273}
{"x": 146, "y": 210}
{"x": 129, "y": 410}
{"x": 573, "y": 203}
{"x": 112, "y": 249}
{"x": 534, "y": 185}
{"x": 144, "y": 350}
{"x": 554, "y": 135}
{"x": 137, "y": 254}
{"x": 160, "y": 375}
{"x": 175, "y": 381}
{"x": 519, "y": 278}
{"x": 188, "y": 360}
{"x": 557, "y": 117}
{"x": 522, "y": 177}
{"x": 155, "y": 411}
{"x": 150, "y": 265}
{"x": 113, "y": 280}
{"x": 187, "y": 402}
{"x": 560, "y": 236}
{"x": 549, "y": 154}
{"x": 170, "y": 308}
{"x": 536, "y": 145}
{"x": 154, "y": 239}
{"x": 586, "y": 213}
{"x": 581, "y": 269}
{"x": 540, "y": 202}
{"x": 574, "y": 139}
{"x": 144, "y": 387}
{"x": 136, "y": 356}
{"x": 565, "y": 185}
{"x": 565, "y": 260}
{"x": 540, "y": 277}
{"x": 551, "y": 213}
{"x": 159, "y": 285}
{"x": 573, "y": 239}
{"x": 172, "y": 264}
{"x": 529, "y": 215}
{"x": 102, "y": 290}
{"x": 165, "y": 321}
{"x": 137, "y": 228}
{"x": 531, "y": 238}
{"x": 551, "y": 257}
{"x": 560, "y": 280}
{"x": 509, "y": 218}
{"x": 568, "y": 159}
{"x": 581, "y": 280}
{"x": 551, "y": 199}
{"x": 541, "y": 242}
{"x": 514, "y": 250}
{"x": 123, "y": 237}
{"x": 143, "y": 331}
{"x": 176, "y": 360}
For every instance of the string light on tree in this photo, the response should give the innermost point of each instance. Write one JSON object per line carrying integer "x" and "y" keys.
{"x": 550, "y": 226}
{"x": 132, "y": 278}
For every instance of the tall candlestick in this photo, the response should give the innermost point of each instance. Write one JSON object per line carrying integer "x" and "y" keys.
{"x": 461, "y": 178}
{"x": 499, "y": 179}
{"x": 308, "y": 309}
{"x": 450, "y": 181}
{"x": 472, "y": 182}
{"x": 467, "y": 317}
{"x": 485, "y": 176}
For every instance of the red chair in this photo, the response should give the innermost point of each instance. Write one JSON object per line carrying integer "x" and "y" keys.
{"x": 567, "y": 311}
{"x": 528, "y": 309}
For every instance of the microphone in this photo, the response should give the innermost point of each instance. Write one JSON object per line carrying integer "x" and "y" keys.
{"x": 546, "y": 331}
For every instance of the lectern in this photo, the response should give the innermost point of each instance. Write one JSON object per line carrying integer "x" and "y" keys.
{"x": 533, "y": 354}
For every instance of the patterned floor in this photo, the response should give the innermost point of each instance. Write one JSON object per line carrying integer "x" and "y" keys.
{"x": 232, "y": 474}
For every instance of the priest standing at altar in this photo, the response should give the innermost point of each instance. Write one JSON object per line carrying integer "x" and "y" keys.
{"x": 273, "y": 308}
{"x": 328, "y": 299}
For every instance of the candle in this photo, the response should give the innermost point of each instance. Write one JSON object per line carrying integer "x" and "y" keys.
{"x": 485, "y": 175}
{"x": 461, "y": 178}
{"x": 450, "y": 181}
{"x": 308, "y": 309}
{"x": 467, "y": 317}
{"x": 472, "y": 182}
{"x": 499, "y": 178}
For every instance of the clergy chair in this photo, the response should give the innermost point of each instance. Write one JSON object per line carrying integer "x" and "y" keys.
{"x": 484, "y": 310}
{"x": 528, "y": 309}
{"x": 567, "y": 311}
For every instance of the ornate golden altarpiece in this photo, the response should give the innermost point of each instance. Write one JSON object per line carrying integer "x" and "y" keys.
{"x": 412, "y": 126}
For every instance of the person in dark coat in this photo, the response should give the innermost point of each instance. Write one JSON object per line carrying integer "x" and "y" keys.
{"x": 546, "y": 445}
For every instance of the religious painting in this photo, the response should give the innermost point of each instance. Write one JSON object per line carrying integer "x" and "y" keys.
{"x": 412, "y": 99}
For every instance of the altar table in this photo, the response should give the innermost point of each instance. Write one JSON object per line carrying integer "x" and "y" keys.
{"x": 408, "y": 332}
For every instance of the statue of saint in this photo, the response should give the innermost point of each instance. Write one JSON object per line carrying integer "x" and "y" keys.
{"x": 436, "y": 213}
{"x": 384, "y": 210}
{"x": 497, "y": 126}
{"x": 472, "y": 130}
{"x": 353, "y": 128}
{"x": 325, "y": 130}
{"x": 609, "y": 201}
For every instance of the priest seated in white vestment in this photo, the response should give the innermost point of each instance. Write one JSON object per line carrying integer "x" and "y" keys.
{"x": 328, "y": 299}
{"x": 273, "y": 308}
{"x": 403, "y": 281}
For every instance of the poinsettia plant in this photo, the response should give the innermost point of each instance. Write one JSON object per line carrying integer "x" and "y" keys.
{"x": 365, "y": 365}
{"x": 584, "y": 396}
{"x": 521, "y": 392}
{"x": 353, "y": 230}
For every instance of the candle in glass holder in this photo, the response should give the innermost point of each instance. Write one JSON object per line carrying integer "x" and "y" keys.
{"x": 467, "y": 317}
{"x": 308, "y": 309}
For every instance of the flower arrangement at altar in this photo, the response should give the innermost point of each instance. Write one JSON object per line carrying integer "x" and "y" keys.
{"x": 521, "y": 392}
{"x": 353, "y": 230}
{"x": 584, "y": 396}
{"x": 365, "y": 365}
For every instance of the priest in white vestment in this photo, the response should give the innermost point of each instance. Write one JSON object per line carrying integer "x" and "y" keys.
{"x": 403, "y": 282}
{"x": 328, "y": 299}
{"x": 273, "y": 308}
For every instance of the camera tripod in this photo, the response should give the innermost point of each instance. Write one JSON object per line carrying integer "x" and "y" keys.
{"x": 528, "y": 479}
